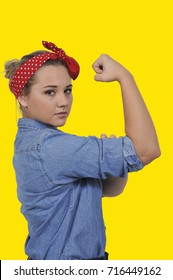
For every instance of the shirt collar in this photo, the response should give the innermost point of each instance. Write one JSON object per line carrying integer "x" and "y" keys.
{"x": 33, "y": 124}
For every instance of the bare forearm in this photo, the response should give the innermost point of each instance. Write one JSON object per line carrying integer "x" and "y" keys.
{"x": 138, "y": 123}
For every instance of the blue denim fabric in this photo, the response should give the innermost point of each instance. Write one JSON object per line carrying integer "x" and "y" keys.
{"x": 59, "y": 178}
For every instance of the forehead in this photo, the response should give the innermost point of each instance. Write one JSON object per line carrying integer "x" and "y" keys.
{"x": 53, "y": 74}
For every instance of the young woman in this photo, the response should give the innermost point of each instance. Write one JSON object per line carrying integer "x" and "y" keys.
{"x": 61, "y": 177}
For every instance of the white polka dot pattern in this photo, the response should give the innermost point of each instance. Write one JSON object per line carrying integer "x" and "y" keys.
{"x": 26, "y": 70}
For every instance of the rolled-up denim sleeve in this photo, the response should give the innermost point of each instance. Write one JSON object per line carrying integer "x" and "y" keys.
{"x": 132, "y": 161}
{"x": 118, "y": 157}
{"x": 67, "y": 157}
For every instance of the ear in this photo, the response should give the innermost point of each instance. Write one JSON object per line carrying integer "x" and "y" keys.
{"x": 22, "y": 99}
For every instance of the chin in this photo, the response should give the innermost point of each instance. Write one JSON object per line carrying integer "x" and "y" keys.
{"x": 58, "y": 124}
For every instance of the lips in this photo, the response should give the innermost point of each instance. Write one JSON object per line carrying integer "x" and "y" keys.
{"x": 61, "y": 114}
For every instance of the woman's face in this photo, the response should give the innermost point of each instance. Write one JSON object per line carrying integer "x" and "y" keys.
{"x": 50, "y": 99}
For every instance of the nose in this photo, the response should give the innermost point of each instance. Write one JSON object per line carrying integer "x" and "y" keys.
{"x": 61, "y": 100}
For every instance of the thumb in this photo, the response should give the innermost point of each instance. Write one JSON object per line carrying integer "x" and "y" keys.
{"x": 98, "y": 77}
{"x": 99, "y": 69}
{"x": 99, "y": 73}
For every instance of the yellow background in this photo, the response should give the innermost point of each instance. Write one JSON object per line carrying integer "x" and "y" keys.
{"x": 138, "y": 34}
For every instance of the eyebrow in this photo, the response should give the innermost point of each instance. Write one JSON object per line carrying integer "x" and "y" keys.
{"x": 53, "y": 86}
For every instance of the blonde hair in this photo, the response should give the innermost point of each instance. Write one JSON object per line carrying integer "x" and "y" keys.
{"x": 12, "y": 65}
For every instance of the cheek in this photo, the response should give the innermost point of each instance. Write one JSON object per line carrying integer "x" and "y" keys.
{"x": 40, "y": 105}
{"x": 71, "y": 101}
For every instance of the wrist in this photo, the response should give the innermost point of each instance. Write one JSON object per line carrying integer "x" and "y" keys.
{"x": 125, "y": 76}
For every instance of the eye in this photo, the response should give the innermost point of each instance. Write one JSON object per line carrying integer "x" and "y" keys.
{"x": 68, "y": 91}
{"x": 50, "y": 92}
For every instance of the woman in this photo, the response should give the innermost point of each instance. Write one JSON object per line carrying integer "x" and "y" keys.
{"x": 61, "y": 177}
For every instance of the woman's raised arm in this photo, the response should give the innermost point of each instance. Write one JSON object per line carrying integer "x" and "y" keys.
{"x": 138, "y": 123}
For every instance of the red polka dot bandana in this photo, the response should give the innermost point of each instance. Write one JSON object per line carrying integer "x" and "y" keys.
{"x": 27, "y": 69}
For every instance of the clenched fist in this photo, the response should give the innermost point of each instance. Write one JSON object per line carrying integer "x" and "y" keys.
{"x": 108, "y": 70}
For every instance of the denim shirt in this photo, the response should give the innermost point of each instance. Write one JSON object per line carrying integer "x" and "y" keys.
{"x": 59, "y": 178}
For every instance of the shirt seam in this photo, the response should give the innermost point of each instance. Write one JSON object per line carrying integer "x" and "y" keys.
{"x": 39, "y": 147}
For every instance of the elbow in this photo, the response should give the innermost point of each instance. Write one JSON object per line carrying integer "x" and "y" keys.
{"x": 114, "y": 186}
{"x": 117, "y": 192}
{"x": 114, "y": 190}
{"x": 150, "y": 155}
{"x": 113, "y": 193}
